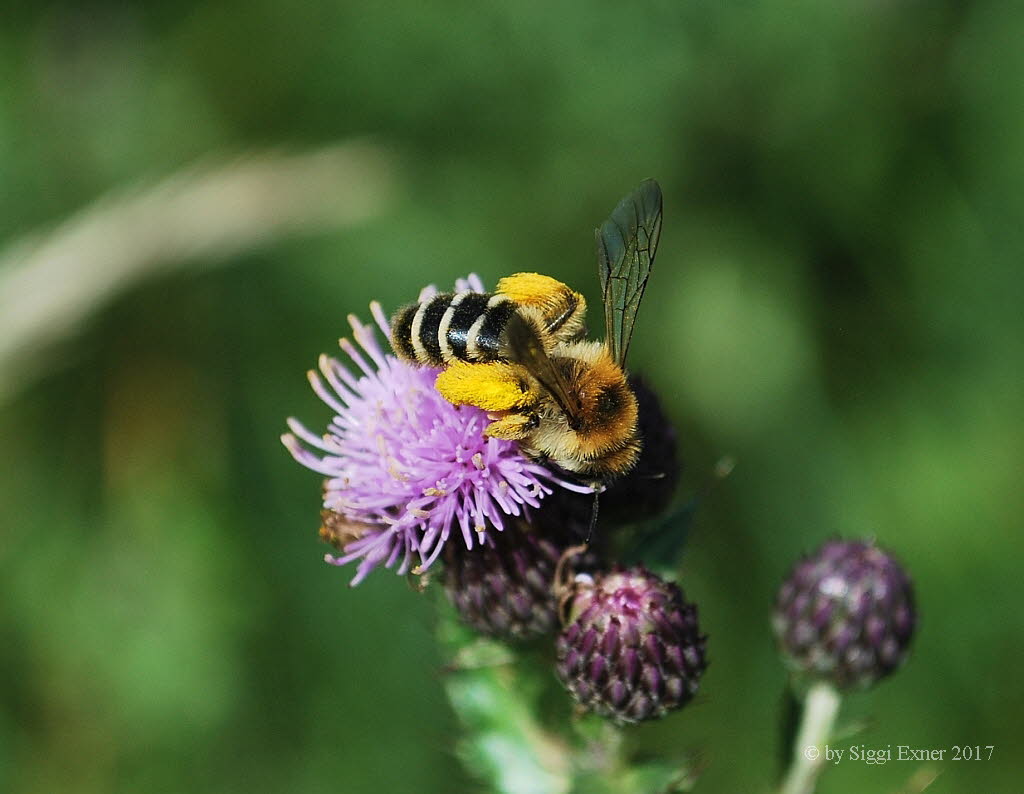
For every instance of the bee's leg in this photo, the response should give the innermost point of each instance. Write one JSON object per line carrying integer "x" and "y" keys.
{"x": 562, "y": 309}
{"x": 495, "y": 386}
{"x": 531, "y": 289}
{"x": 513, "y": 427}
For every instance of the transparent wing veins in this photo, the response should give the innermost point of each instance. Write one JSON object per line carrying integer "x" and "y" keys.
{"x": 626, "y": 246}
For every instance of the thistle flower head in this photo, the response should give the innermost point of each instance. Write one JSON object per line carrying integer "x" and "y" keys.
{"x": 405, "y": 463}
{"x": 845, "y": 614}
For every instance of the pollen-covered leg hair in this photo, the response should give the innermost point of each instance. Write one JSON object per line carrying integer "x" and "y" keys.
{"x": 494, "y": 386}
{"x": 531, "y": 289}
{"x": 562, "y": 310}
{"x": 514, "y": 427}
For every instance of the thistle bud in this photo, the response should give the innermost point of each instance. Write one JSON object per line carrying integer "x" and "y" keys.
{"x": 631, "y": 649}
{"x": 845, "y": 614}
{"x": 505, "y": 587}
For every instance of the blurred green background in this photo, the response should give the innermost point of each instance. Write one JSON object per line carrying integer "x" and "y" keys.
{"x": 836, "y": 303}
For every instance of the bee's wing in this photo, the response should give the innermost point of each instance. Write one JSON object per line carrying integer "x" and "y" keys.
{"x": 626, "y": 245}
{"x": 527, "y": 349}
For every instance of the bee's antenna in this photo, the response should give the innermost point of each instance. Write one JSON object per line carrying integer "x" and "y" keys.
{"x": 593, "y": 515}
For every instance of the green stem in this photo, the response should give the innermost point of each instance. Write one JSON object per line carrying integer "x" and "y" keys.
{"x": 496, "y": 698}
{"x": 821, "y": 706}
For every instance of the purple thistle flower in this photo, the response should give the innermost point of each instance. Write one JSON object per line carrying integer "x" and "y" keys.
{"x": 405, "y": 462}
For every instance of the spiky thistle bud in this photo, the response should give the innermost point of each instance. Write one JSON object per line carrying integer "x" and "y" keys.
{"x": 845, "y": 614}
{"x": 631, "y": 648}
{"x": 505, "y": 587}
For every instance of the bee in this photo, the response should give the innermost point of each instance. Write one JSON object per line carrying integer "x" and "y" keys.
{"x": 521, "y": 354}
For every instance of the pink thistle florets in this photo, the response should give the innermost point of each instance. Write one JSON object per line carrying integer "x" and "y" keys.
{"x": 406, "y": 463}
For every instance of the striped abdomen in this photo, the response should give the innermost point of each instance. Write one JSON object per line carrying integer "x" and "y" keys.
{"x": 464, "y": 325}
